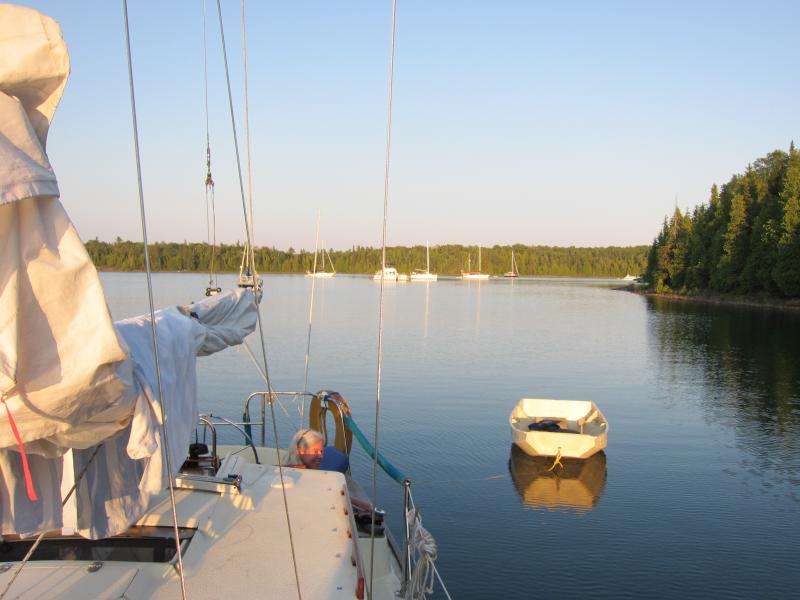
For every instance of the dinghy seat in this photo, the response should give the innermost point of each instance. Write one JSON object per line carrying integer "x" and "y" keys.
{"x": 544, "y": 425}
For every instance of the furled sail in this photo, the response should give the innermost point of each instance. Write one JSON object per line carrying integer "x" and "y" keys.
{"x": 77, "y": 390}
{"x": 61, "y": 364}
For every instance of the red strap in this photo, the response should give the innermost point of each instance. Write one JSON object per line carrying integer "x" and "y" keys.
{"x": 28, "y": 478}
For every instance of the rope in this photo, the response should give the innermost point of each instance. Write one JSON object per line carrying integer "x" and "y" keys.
{"x": 258, "y": 312}
{"x": 264, "y": 377}
{"x": 211, "y": 269}
{"x": 557, "y": 461}
{"x": 26, "y": 470}
{"x": 247, "y": 132}
{"x": 165, "y": 446}
{"x": 211, "y": 223}
{"x": 310, "y": 318}
{"x": 423, "y": 551}
{"x": 414, "y": 514}
{"x": 40, "y": 537}
{"x": 248, "y": 253}
{"x": 387, "y": 467}
{"x": 380, "y": 308}
{"x": 441, "y": 581}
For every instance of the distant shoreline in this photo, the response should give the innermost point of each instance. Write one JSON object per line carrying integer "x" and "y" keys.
{"x": 750, "y": 300}
{"x": 457, "y": 275}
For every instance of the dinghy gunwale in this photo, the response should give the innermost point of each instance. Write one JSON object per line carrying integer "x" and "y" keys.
{"x": 569, "y": 443}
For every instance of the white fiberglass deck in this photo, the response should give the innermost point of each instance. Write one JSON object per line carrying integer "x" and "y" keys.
{"x": 241, "y": 547}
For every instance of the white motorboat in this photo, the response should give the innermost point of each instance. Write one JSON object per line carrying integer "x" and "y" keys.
{"x": 388, "y": 274}
{"x": 563, "y": 428}
{"x": 97, "y": 496}
{"x": 426, "y": 275}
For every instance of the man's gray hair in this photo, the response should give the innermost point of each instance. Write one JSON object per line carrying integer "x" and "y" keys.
{"x": 302, "y": 439}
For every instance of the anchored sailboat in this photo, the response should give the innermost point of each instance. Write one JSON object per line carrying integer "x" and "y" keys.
{"x": 323, "y": 274}
{"x": 470, "y": 275}
{"x": 514, "y": 272}
{"x": 426, "y": 275}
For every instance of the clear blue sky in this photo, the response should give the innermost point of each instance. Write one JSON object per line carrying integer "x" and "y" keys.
{"x": 560, "y": 123}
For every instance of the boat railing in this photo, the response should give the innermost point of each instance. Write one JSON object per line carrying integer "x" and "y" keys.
{"x": 414, "y": 555}
{"x": 419, "y": 552}
{"x": 207, "y": 421}
{"x": 266, "y": 398}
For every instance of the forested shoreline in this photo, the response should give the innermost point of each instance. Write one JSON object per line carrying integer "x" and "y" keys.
{"x": 448, "y": 259}
{"x": 744, "y": 241}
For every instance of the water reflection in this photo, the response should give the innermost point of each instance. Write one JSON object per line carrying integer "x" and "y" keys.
{"x": 578, "y": 485}
{"x": 748, "y": 361}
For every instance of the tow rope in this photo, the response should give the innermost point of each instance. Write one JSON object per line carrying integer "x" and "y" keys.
{"x": 557, "y": 461}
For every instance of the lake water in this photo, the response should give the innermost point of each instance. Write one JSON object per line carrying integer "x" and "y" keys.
{"x": 697, "y": 496}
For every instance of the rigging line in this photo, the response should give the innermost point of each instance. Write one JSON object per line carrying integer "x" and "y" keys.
{"x": 41, "y": 535}
{"x": 211, "y": 224}
{"x": 310, "y": 318}
{"x": 209, "y": 179}
{"x": 214, "y": 232}
{"x": 380, "y": 309}
{"x": 433, "y": 565}
{"x": 264, "y": 377}
{"x": 247, "y": 129}
{"x": 165, "y": 447}
{"x": 258, "y": 312}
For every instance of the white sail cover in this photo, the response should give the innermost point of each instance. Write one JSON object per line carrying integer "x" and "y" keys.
{"x": 59, "y": 354}
{"x": 70, "y": 379}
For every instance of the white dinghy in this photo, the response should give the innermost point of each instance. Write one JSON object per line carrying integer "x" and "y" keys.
{"x": 562, "y": 428}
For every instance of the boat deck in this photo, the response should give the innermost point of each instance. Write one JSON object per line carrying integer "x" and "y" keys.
{"x": 241, "y": 531}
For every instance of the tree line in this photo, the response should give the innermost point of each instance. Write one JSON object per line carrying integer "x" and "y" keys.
{"x": 745, "y": 240}
{"x": 449, "y": 259}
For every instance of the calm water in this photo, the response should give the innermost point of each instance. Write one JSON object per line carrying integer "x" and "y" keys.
{"x": 697, "y": 496}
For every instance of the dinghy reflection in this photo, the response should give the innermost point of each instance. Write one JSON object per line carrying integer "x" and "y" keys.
{"x": 579, "y": 484}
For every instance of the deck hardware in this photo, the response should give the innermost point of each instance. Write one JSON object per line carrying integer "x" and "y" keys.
{"x": 95, "y": 566}
{"x": 5, "y": 567}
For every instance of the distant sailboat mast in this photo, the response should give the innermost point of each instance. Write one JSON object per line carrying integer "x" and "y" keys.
{"x": 427, "y": 256}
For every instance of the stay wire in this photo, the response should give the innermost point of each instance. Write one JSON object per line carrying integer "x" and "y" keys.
{"x": 247, "y": 132}
{"x": 381, "y": 303}
{"x": 310, "y": 317}
{"x": 165, "y": 446}
{"x": 211, "y": 221}
{"x": 258, "y": 312}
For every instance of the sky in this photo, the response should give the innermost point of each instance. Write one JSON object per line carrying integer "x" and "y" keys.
{"x": 541, "y": 123}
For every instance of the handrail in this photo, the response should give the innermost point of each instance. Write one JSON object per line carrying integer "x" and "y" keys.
{"x": 207, "y": 422}
{"x": 235, "y": 425}
{"x": 263, "y": 423}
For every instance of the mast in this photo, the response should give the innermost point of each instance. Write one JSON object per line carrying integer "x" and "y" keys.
{"x": 427, "y": 256}
{"x": 479, "y": 258}
{"x": 330, "y": 260}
